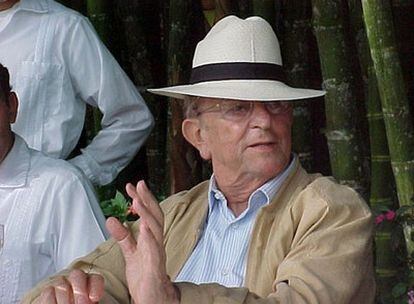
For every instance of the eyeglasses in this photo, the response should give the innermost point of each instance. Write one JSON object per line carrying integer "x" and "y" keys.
{"x": 236, "y": 110}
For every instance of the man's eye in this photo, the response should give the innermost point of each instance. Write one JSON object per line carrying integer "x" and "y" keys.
{"x": 274, "y": 106}
{"x": 277, "y": 107}
{"x": 239, "y": 108}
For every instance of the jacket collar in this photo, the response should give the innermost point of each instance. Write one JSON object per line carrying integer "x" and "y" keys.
{"x": 15, "y": 167}
{"x": 188, "y": 211}
{"x": 296, "y": 179}
{"x": 295, "y": 182}
{"x": 37, "y": 6}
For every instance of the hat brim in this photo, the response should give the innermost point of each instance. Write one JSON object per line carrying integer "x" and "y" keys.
{"x": 259, "y": 90}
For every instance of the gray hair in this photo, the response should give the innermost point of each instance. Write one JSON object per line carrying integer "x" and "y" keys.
{"x": 190, "y": 106}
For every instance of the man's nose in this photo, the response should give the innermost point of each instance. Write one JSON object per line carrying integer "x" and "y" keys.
{"x": 260, "y": 116}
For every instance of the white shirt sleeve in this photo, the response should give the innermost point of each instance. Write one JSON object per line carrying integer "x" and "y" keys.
{"x": 99, "y": 80}
{"x": 77, "y": 223}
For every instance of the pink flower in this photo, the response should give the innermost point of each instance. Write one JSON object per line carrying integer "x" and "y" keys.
{"x": 410, "y": 295}
{"x": 379, "y": 219}
{"x": 131, "y": 210}
{"x": 390, "y": 215}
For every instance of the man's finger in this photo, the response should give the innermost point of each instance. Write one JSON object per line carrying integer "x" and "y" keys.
{"x": 150, "y": 201}
{"x": 122, "y": 235}
{"x": 47, "y": 296}
{"x": 131, "y": 191}
{"x": 151, "y": 222}
{"x": 79, "y": 282}
{"x": 96, "y": 287}
{"x": 147, "y": 239}
{"x": 63, "y": 291}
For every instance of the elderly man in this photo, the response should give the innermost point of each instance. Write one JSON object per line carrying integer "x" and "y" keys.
{"x": 48, "y": 210}
{"x": 261, "y": 230}
{"x": 58, "y": 65}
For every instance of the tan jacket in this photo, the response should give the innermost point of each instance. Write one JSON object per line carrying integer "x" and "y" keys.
{"x": 311, "y": 244}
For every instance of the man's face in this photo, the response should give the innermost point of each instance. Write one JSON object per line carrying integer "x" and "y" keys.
{"x": 257, "y": 147}
{"x": 8, "y": 113}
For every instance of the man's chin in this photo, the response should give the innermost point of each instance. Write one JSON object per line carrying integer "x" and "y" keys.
{"x": 268, "y": 169}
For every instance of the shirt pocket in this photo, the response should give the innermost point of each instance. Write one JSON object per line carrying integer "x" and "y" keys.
{"x": 38, "y": 86}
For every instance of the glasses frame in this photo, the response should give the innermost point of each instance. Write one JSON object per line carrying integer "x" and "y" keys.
{"x": 218, "y": 108}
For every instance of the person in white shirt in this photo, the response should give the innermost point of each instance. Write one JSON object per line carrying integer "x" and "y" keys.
{"x": 48, "y": 209}
{"x": 58, "y": 65}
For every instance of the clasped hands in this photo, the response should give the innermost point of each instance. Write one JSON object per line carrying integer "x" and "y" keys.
{"x": 144, "y": 256}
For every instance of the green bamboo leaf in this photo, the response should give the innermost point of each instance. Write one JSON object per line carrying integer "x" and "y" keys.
{"x": 399, "y": 290}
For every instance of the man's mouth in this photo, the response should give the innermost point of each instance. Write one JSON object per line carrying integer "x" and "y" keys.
{"x": 263, "y": 145}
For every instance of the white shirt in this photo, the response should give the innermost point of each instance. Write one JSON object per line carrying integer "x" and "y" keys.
{"x": 53, "y": 218}
{"x": 58, "y": 64}
{"x": 5, "y": 15}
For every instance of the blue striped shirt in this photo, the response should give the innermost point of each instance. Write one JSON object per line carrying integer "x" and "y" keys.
{"x": 221, "y": 252}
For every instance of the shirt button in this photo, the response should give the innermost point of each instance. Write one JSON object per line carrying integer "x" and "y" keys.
{"x": 217, "y": 196}
{"x": 224, "y": 272}
{"x": 235, "y": 226}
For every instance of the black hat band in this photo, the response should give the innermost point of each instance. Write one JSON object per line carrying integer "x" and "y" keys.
{"x": 237, "y": 70}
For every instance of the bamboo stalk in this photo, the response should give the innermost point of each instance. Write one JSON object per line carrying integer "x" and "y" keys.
{"x": 185, "y": 163}
{"x": 243, "y": 8}
{"x": 341, "y": 133}
{"x": 403, "y": 12}
{"x": 209, "y": 11}
{"x": 214, "y": 10}
{"x": 97, "y": 11}
{"x": 395, "y": 106}
{"x": 382, "y": 180}
{"x": 97, "y": 14}
{"x": 265, "y": 9}
{"x": 136, "y": 55}
{"x": 295, "y": 49}
{"x": 78, "y": 5}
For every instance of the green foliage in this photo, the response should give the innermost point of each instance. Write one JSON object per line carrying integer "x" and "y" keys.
{"x": 403, "y": 290}
{"x": 399, "y": 290}
{"x": 406, "y": 214}
{"x": 118, "y": 207}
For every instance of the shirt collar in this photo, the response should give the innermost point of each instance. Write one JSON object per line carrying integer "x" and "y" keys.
{"x": 264, "y": 194}
{"x": 37, "y": 6}
{"x": 15, "y": 167}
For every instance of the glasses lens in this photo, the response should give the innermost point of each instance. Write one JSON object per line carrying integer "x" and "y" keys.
{"x": 236, "y": 110}
{"x": 277, "y": 107}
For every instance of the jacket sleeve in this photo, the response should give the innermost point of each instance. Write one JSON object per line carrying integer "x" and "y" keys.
{"x": 329, "y": 260}
{"x": 99, "y": 81}
{"x": 106, "y": 260}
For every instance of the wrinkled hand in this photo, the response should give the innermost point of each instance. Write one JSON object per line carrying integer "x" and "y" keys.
{"x": 145, "y": 258}
{"x": 77, "y": 288}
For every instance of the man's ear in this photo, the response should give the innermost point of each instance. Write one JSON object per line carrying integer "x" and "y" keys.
{"x": 13, "y": 106}
{"x": 192, "y": 132}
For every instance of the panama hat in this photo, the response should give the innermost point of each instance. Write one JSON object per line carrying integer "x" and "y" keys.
{"x": 238, "y": 59}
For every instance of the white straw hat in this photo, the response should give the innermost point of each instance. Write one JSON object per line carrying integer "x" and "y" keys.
{"x": 238, "y": 59}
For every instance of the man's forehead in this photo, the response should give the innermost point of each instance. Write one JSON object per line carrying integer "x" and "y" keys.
{"x": 200, "y": 99}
